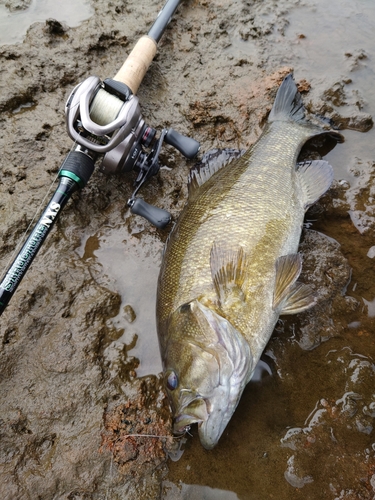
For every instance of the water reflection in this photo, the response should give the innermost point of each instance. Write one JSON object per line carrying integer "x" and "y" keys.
{"x": 294, "y": 477}
{"x": 370, "y": 307}
{"x": 261, "y": 371}
{"x": 13, "y": 25}
{"x": 130, "y": 269}
{"x": 195, "y": 492}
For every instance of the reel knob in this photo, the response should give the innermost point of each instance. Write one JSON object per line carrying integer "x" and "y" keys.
{"x": 157, "y": 216}
{"x": 185, "y": 145}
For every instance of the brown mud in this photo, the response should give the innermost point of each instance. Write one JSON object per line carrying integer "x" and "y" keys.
{"x": 79, "y": 357}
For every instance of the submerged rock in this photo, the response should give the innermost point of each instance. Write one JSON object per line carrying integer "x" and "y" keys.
{"x": 335, "y": 430}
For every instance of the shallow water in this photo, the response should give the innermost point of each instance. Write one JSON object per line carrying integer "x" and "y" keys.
{"x": 130, "y": 269}
{"x": 323, "y": 41}
{"x": 13, "y": 25}
{"x": 339, "y": 36}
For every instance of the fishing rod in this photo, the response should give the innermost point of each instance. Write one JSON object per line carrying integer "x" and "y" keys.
{"x": 104, "y": 120}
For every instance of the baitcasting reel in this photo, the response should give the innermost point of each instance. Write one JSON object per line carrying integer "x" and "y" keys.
{"x": 105, "y": 118}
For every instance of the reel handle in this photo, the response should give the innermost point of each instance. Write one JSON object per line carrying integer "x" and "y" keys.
{"x": 185, "y": 145}
{"x": 157, "y": 216}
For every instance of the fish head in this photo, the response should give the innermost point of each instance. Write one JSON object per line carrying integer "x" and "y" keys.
{"x": 207, "y": 365}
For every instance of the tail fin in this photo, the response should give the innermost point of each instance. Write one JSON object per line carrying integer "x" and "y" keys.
{"x": 288, "y": 104}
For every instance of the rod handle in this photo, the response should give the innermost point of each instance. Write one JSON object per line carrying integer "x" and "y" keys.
{"x": 136, "y": 65}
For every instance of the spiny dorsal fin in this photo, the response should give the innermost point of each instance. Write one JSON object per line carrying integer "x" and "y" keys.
{"x": 315, "y": 177}
{"x": 210, "y": 163}
{"x": 290, "y": 296}
{"x": 288, "y": 104}
{"x": 228, "y": 273}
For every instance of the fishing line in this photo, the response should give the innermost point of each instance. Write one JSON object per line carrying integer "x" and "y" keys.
{"x": 146, "y": 435}
{"x": 105, "y": 107}
{"x": 38, "y": 210}
{"x": 110, "y": 477}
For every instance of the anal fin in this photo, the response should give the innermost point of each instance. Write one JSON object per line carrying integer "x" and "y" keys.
{"x": 291, "y": 296}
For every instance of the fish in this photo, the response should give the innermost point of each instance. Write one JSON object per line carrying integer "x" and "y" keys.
{"x": 231, "y": 265}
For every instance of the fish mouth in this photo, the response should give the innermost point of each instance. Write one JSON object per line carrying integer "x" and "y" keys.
{"x": 210, "y": 432}
{"x": 192, "y": 413}
{"x": 213, "y": 382}
{"x": 210, "y": 425}
{"x": 211, "y": 422}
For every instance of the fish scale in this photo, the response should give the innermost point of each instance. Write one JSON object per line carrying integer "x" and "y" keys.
{"x": 230, "y": 267}
{"x": 247, "y": 193}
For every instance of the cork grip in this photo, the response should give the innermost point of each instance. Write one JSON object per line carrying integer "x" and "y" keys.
{"x": 134, "y": 68}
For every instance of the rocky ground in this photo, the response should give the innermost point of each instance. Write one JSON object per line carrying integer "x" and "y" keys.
{"x": 70, "y": 419}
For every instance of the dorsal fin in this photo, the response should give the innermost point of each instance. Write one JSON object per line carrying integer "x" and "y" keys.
{"x": 288, "y": 104}
{"x": 210, "y": 163}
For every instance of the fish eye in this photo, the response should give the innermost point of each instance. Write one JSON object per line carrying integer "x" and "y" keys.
{"x": 171, "y": 380}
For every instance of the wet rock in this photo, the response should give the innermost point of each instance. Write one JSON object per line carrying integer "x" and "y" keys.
{"x": 129, "y": 313}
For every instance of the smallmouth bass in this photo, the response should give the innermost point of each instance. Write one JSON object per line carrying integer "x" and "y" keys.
{"x": 231, "y": 266}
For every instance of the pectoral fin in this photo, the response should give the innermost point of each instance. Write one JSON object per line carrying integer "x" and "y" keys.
{"x": 228, "y": 274}
{"x": 291, "y": 297}
{"x": 315, "y": 179}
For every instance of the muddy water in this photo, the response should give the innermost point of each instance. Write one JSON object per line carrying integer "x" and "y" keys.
{"x": 17, "y": 17}
{"x": 78, "y": 340}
